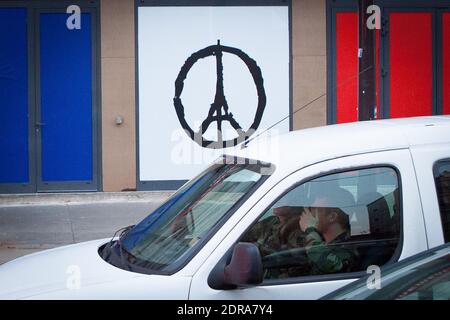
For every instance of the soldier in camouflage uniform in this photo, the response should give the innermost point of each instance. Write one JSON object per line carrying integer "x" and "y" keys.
{"x": 277, "y": 233}
{"x": 327, "y": 229}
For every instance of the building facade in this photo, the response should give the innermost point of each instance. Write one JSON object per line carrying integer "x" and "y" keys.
{"x": 75, "y": 78}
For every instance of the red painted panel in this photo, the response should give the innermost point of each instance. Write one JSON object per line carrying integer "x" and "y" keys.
{"x": 446, "y": 62}
{"x": 346, "y": 66}
{"x": 410, "y": 64}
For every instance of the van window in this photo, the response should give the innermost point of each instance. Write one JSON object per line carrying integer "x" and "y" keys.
{"x": 174, "y": 232}
{"x": 338, "y": 223}
{"x": 442, "y": 180}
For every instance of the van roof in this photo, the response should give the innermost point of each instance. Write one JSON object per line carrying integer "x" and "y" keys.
{"x": 299, "y": 148}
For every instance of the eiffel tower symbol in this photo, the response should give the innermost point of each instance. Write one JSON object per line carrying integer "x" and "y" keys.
{"x": 218, "y": 111}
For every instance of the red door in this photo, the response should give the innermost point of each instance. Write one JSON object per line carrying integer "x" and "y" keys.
{"x": 408, "y": 51}
{"x": 347, "y": 67}
{"x": 411, "y": 64}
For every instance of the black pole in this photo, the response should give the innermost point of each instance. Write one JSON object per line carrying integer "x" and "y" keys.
{"x": 366, "y": 65}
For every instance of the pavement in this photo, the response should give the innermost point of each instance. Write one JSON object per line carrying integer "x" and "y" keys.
{"x": 35, "y": 222}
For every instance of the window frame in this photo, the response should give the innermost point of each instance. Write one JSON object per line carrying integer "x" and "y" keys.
{"x": 435, "y": 173}
{"x": 179, "y": 264}
{"x": 152, "y": 185}
{"x": 335, "y": 276}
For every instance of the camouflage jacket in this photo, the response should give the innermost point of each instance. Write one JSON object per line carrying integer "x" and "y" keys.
{"x": 331, "y": 257}
{"x": 271, "y": 237}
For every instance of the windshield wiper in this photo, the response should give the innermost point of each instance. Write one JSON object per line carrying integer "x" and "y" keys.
{"x": 119, "y": 242}
{"x": 113, "y": 252}
{"x": 122, "y": 231}
{"x": 125, "y": 231}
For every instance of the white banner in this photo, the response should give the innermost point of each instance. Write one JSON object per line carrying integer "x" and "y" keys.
{"x": 220, "y": 67}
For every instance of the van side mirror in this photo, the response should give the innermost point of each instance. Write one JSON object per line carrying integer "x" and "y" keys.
{"x": 244, "y": 268}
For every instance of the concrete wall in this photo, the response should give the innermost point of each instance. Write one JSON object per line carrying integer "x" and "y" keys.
{"x": 118, "y": 94}
{"x": 309, "y": 62}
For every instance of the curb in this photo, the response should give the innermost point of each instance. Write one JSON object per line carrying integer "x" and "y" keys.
{"x": 45, "y": 199}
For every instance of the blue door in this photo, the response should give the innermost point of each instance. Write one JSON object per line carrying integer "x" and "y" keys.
{"x": 65, "y": 129}
{"x": 15, "y": 164}
{"x": 48, "y": 100}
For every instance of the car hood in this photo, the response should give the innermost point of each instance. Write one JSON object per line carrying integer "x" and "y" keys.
{"x": 78, "y": 272}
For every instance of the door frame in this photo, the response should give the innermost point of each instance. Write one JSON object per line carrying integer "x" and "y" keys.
{"x": 30, "y": 186}
{"x": 440, "y": 58}
{"x": 425, "y": 158}
{"x": 153, "y": 185}
{"x": 385, "y": 61}
{"x": 68, "y": 186}
{"x": 35, "y": 183}
{"x": 332, "y": 9}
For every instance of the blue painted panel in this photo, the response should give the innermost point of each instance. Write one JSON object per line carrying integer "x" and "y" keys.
{"x": 13, "y": 96}
{"x": 66, "y": 98}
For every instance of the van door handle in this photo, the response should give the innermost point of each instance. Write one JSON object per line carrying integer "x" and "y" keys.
{"x": 40, "y": 124}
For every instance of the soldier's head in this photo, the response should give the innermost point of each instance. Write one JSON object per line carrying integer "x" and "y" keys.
{"x": 330, "y": 209}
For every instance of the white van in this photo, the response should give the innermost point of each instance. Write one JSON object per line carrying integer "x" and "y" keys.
{"x": 249, "y": 226}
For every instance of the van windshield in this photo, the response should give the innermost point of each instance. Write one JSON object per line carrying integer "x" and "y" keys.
{"x": 171, "y": 234}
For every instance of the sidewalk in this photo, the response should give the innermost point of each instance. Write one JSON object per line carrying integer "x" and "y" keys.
{"x": 31, "y": 223}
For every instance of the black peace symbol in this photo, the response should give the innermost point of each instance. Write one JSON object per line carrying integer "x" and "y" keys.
{"x": 220, "y": 103}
